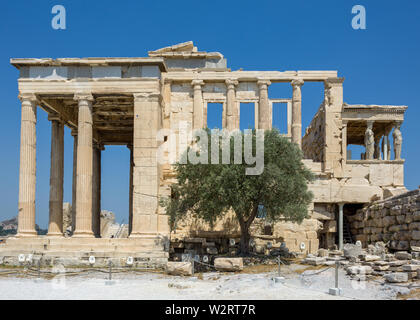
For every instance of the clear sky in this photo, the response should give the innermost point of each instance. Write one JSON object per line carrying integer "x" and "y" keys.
{"x": 380, "y": 64}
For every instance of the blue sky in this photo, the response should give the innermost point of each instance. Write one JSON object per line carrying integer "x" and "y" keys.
{"x": 381, "y": 64}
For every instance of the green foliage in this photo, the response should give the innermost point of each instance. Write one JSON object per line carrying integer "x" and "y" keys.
{"x": 4, "y": 233}
{"x": 209, "y": 191}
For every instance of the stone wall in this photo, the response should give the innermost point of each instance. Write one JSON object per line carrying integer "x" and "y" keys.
{"x": 261, "y": 230}
{"x": 313, "y": 142}
{"x": 395, "y": 220}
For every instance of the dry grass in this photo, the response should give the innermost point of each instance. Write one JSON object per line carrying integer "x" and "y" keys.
{"x": 260, "y": 268}
{"x": 307, "y": 268}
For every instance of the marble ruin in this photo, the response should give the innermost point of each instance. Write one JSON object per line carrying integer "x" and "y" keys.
{"x": 126, "y": 101}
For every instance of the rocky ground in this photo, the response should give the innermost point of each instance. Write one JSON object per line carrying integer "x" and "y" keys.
{"x": 254, "y": 282}
{"x": 373, "y": 262}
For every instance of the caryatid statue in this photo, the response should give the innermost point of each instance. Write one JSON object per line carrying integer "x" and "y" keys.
{"x": 369, "y": 141}
{"x": 397, "y": 140}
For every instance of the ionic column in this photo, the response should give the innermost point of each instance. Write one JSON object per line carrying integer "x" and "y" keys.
{"x": 55, "y": 226}
{"x": 264, "y": 117}
{"x": 297, "y": 112}
{"x": 230, "y": 104}
{"x": 84, "y": 167}
{"x": 27, "y": 169}
{"x": 96, "y": 190}
{"x": 198, "y": 108}
{"x": 130, "y": 198}
{"x": 289, "y": 118}
{"x": 74, "y": 182}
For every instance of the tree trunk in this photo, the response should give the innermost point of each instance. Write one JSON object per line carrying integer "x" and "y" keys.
{"x": 245, "y": 237}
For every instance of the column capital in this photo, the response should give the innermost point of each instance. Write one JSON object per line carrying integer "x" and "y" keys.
{"x": 31, "y": 97}
{"x": 231, "y": 83}
{"x": 167, "y": 81}
{"x": 55, "y": 117}
{"x": 146, "y": 96}
{"x": 297, "y": 83}
{"x": 197, "y": 84}
{"x": 80, "y": 96}
{"x": 398, "y": 124}
{"x": 334, "y": 81}
{"x": 74, "y": 132}
{"x": 97, "y": 145}
{"x": 369, "y": 124}
{"x": 263, "y": 83}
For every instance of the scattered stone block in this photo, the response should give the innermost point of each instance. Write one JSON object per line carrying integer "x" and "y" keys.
{"x": 395, "y": 269}
{"x": 179, "y": 268}
{"x": 398, "y": 263}
{"x": 352, "y": 250}
{"x": 370, "y": 258}
{"x": 389, "y": 257}
{"x": 403, "y": 255}
{"x": 211, "y": 250}
{"x": 410, "y": 267}
{"x": 229, "y": 264}
{"x": 316, "y": 261}
{"x": 354, "y": 259}
{"x": 336, "y": 253}
{"x": 381, "y": 268}
{"x": 354, "y": 270}
{"x": 322, "y": 253}
{"x": 396, "y": 277}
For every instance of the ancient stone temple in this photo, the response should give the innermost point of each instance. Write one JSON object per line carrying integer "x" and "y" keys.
{"x": 127, "y": 101}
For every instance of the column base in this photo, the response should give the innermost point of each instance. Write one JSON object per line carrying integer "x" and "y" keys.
{"x": 26, "y": 234}
{"x": 143, "y": 235}
{"x": 55, "y": 235}
{"x": 83, "y": 234}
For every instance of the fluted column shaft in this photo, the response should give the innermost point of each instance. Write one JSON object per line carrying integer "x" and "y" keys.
{"x": 27, "y": 169}
{"x": 74, "y": 182}
{"x": 297, "y": 112}
{"x": 96, "y": 191}
{"x": 130, "y": 198}
{"x": 198, "y": 109}
{"x": 230, "y": 104}
{"x": 84, "y": 167}
{"x": 55, "y": 226}
{"x": 264, "y": 117}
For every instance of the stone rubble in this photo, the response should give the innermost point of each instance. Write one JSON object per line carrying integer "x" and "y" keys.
{"x": 374, "y": 260}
